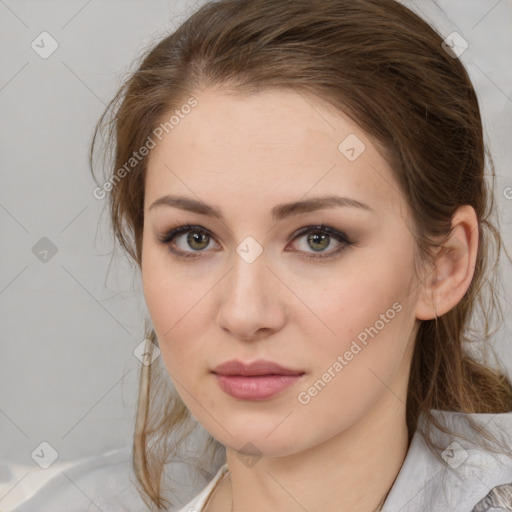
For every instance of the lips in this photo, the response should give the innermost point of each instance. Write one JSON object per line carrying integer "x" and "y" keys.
{"x": 258, "y": 380}
{"x": 256, "y": 368}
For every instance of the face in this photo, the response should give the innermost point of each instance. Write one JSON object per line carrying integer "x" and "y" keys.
{"x": 325, "y": 290}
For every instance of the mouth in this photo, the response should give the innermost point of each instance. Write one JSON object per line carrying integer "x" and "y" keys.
{"x": 258, "y": 380}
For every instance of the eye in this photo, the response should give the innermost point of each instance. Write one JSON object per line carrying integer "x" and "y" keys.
{"x": 319, "y": 238}
{"x": 198, "y": 238}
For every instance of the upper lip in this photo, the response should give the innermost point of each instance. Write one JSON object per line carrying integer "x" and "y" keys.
{"x": 260, "y": 367}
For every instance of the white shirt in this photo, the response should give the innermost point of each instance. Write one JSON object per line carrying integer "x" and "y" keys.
{"x": 423, "y": 484}
{"x": 471, "y": 479}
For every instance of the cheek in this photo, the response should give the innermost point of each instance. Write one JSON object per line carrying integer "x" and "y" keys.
{"x": 372, "y": 318}
{"x": 176, "y": 309}
{"x": 367, "y": 311}
{"x": 177, "y": 303}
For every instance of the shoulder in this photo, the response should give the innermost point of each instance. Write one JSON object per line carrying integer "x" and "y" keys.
{"x": 463, "y": 475}
{"x": 88, "y": 484}
{"x": 107, "y": 482}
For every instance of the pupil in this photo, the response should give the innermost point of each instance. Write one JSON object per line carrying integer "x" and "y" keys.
{"x": 196, "y": 237}
{"x": 314, "y": 238}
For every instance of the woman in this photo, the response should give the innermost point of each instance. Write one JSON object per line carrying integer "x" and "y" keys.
{"x": 302, "y": 186}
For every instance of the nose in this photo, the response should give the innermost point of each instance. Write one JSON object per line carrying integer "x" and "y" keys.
{"x": 250, "y": 303}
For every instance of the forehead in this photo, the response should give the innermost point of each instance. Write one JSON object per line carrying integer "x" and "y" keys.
{"x": 274, "y": 145}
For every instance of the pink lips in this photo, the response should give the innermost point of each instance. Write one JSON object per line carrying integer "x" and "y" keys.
{"x": 255, "y": 381}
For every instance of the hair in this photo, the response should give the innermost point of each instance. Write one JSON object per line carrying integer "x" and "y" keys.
{"x": 385, "y": 67}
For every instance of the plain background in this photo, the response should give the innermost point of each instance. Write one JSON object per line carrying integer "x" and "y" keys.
{"x": 68, "y": 375}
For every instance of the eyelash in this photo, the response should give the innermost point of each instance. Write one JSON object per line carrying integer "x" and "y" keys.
{"x": 168, "y": 237}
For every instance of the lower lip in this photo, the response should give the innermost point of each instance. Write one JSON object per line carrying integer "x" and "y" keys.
{"x": 257, "y": 387}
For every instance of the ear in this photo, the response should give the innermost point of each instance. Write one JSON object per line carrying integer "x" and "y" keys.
{"x": 454, "y": 267}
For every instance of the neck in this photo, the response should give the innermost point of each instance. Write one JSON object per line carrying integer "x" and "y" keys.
{"x": 352, "y": 471}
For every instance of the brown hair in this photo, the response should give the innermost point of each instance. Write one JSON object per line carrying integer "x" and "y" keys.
{"x": 381, "y": 64}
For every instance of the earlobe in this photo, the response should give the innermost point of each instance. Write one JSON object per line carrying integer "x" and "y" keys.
{"x": 454, "y": 267}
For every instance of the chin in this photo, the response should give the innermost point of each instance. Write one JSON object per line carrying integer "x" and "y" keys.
{"x": 261, "y": 439}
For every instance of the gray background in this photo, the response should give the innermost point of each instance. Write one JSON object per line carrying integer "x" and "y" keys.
{"x": 70, "y": 324}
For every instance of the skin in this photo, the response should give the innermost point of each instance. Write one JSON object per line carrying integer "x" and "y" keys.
{"x": 244, "y": 155}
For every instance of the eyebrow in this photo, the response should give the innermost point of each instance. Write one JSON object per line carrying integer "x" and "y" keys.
{"x": 279, "y": 212}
